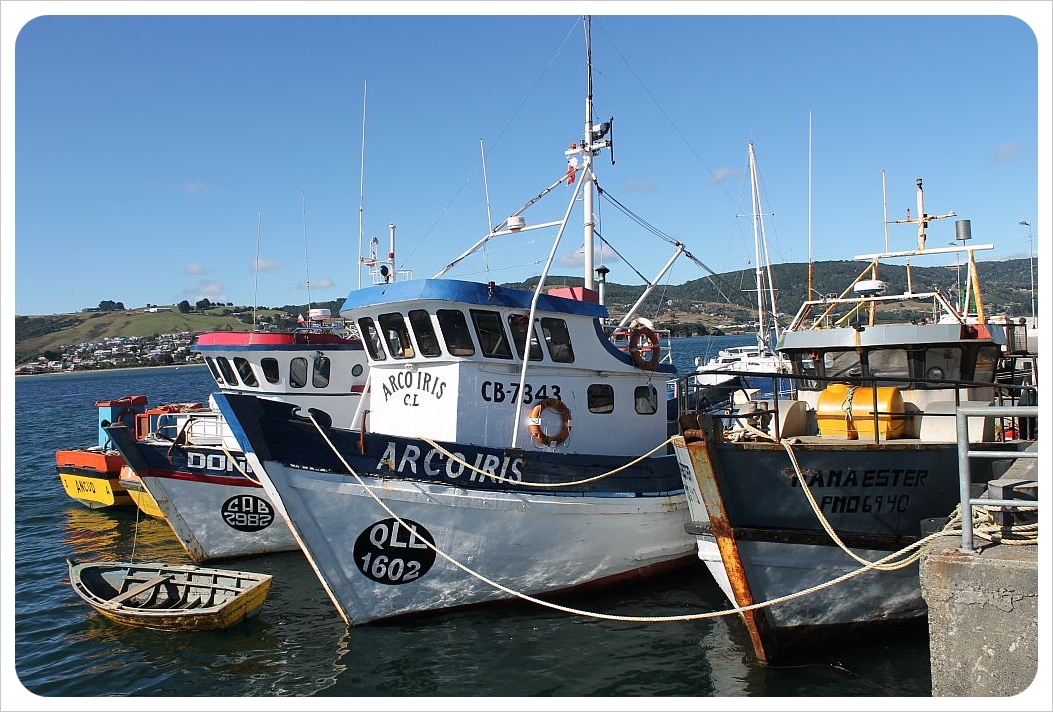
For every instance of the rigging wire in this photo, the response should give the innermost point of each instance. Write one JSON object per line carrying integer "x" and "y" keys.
{"x": 475, "y": 168}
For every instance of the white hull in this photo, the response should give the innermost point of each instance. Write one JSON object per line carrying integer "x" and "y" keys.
{"x": 214, "y": 521}
{"x": 530, "y": 544}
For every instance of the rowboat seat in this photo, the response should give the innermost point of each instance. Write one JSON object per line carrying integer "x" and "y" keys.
{"x": 137, "y": 589}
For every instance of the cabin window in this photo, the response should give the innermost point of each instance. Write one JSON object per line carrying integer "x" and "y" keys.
{"x": 371, "y": 338}
{"x": 517, "y": 324}
{"x": 270, "y": 369}
{"x": 455, "y": 332}
{"x": 227, "y": 370}
{"x": 889, "y": 367}
{"x": 601, "y": 398}
{"x": 214, "y": 369}
{"x": 557, "y": 338}
{"x": 492, "y": 339}
{"x": 986, "y": 361}
{"x": 942, "y": 363}
{"x": 298, "y": 372}
{"x": 320, "y": 377}
{"x": 396, "y": 335}
{"x": 808, "y": 364}
{"x": 646, "y": 398}
{"x": 424, "y": 330}
{"x": 245, "y": 371}
{"x": 842, "y": 364}
{"x": 357, "y": 370}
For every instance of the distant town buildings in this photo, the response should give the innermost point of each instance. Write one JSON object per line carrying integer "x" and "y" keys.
{"x": 120, "y": 352}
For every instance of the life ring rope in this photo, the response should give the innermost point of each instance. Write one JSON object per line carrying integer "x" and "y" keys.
{"x": 557, "y": 406}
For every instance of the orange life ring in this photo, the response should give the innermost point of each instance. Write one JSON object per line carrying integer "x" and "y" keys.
{"x": 650, "y": 362}
{"x": 558, "y": 406}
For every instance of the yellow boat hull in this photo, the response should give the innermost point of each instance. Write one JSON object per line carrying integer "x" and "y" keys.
{"x": 140, "y": 495}
{"x": 94, "y": 489}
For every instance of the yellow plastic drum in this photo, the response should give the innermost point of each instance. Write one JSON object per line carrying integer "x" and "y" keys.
{"x": 848, "y": 412}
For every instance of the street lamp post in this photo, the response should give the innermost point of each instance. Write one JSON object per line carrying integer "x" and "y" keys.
{"x": 1031, "y": 263}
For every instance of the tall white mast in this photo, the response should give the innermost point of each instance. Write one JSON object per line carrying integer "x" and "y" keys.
{"x": 361, "y": 184}
{"x": 586, "y": 178}
{"x": 762, "y": 327}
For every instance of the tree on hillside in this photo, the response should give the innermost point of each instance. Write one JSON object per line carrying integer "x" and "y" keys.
{"x": 184, "y": 307}
{"x": 107, "y": 305}
{"x": 204, "y": 304}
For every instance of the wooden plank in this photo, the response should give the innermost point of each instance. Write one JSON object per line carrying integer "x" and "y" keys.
{"x": 137, "y": 589}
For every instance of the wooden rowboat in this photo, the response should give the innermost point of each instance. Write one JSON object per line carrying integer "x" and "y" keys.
{"x": 169, "y": 597}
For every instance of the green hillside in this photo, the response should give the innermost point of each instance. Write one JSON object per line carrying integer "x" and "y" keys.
{"x": 722, "y": 303}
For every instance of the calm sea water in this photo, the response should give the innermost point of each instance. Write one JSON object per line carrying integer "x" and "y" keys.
{"x": 298, "y": 644}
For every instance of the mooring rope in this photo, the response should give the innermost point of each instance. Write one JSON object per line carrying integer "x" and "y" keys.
{"x": 984, "y": 524}
{"x": 610, "y": 616}
{"x": 458, "y": 459}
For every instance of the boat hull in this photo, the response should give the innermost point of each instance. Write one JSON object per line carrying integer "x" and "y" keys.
{"x": 379, "y": 544}
{"x": 139, "y": 494}
{"x": 530, "y": 544}
{"x": 762, "y": 540}
{"x": 209, "y": 498}
{"x": 92, "y": 477}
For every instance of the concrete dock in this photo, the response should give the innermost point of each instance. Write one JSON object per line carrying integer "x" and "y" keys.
{"x": 983, "y": 607}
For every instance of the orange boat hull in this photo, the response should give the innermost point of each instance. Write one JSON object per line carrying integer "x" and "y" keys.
{"x": 92, "y": 477}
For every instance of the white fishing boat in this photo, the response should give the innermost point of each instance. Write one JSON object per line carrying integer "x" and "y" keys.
{"x": 510, "y": 447}
{"x": 188, "y": 461}
{"x": 788, "y": 495}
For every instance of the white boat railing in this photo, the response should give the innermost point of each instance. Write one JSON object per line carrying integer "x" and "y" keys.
{"x": 965, "y": 453}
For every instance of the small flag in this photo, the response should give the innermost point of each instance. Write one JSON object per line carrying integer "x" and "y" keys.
{"x": 299, "y": 319}
{"x": 571, "y": 172}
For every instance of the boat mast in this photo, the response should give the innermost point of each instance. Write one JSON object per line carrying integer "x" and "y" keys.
{"x": 361, "y": 185}
{"x": 762, "y": 326}
{"x": 586, "y": 178}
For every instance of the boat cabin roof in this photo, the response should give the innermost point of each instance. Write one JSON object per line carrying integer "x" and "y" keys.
{"x": 466, "y": 293}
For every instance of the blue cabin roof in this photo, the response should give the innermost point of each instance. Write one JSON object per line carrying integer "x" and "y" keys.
{"x": 471, "y": 293}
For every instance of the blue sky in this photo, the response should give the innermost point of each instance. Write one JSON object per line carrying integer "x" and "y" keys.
{"x": 149, "y": 149}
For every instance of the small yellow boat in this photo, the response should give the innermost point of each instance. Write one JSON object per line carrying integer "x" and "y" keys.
{"x": 133, "y": 484}
{"x": 169, "y": 597}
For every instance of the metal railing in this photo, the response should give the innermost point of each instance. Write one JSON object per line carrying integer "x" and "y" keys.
{"x": 963, "y": 413}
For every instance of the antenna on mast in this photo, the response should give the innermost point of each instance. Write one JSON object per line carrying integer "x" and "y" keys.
{"x": 809, "y": 205}
{"x": 256, "y": 271}
{"x": 306, "y": 269}
{"x": 884, "y": 206}
{"x": 361, "y": 184}
{"x": 486, "y": 189}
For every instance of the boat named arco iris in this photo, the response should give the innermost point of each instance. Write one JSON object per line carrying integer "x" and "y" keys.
{"x": 510, "y": 448}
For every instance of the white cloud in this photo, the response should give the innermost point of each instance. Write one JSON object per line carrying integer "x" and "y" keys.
{"x": 264, "y": 266}
{"x": 196, "y": 268}
{"x": 1006, "y": 152}
{"x": 207, "y": 289}
{"x": 320, "y": 283}
{"x": 722, "y": 174}
{"x": 641, "y": 186}
{"x": 577, "y": 258}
